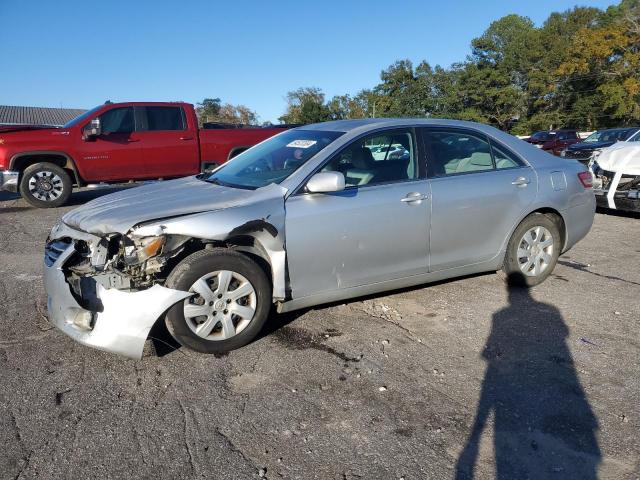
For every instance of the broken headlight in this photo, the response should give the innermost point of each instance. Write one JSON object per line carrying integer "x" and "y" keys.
{"x": 139, "y": 250}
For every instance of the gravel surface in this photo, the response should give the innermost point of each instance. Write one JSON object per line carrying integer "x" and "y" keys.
{"x": 420, "y": 383}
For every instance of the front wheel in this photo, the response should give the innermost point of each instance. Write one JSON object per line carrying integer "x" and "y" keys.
{"x": 230, "y": 302}
{"x": 533, "y": 251}
{"x": 45, "y": 185}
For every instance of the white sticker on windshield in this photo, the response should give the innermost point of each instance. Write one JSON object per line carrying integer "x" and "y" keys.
{"x": 302, "y": 143}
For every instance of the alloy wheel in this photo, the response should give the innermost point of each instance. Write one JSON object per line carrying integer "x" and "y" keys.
{"x": 46, "y": 186}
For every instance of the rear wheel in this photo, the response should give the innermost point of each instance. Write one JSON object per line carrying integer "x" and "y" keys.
{"x": 45, "y": 185}
{"x": 533, "y": 250}
{"x": 230, "y": 303}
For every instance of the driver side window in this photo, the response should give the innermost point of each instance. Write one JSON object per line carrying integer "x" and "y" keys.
{"x": 375, "y": 159}
{"x": 117, "y": 120}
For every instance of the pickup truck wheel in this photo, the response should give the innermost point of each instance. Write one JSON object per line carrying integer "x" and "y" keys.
{"x": 45, "y": 185}
{"x": 533, "y": 251}
{"x": 231, "y": 301}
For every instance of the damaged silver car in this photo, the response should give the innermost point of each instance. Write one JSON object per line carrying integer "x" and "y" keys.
{"x": 316, "y": 214}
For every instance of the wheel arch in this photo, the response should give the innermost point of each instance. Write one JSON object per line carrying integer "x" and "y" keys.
{"x": 20, "y": 161}
{"x": 555, "y": 215}
{"x": 235, "y": 151}
{"x": 246, "y": 244}
{"x": 544, "y": 210}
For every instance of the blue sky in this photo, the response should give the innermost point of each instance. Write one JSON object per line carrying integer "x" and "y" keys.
{"x": 80, "y": 53}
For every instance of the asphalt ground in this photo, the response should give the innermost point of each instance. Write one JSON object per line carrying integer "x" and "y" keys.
{"x": 457, "y": 379}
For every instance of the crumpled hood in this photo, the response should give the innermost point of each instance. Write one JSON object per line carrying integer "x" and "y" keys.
{"x": 120, "y": 211}
{"x": 623, "y": 157}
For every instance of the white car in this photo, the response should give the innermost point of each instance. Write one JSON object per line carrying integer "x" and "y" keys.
{"x": 616, "y": 172}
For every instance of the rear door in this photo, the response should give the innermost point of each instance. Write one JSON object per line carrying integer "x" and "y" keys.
{"x": 169, "y": 143}
{"x": 374, "y": 230}
{"x": 479, "y": 189}
{"x": 115, "y": 154}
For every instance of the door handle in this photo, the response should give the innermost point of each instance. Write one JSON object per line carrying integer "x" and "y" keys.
{"x": 521, "y": 182}
{"x": 186, "y": 138}
{"x": 414, "y": 197}
{"x": 133, "y": 140}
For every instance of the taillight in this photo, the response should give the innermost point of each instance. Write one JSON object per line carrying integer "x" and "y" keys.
{"x": 586, "y": 179}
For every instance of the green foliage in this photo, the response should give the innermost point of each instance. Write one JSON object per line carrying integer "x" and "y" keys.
{"x": 306, "y": 105}
{"x": 580, "y": 69}
{"x": 212, "y": 110}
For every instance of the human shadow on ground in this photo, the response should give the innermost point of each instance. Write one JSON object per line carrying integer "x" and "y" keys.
{"x": 543, "y": 425}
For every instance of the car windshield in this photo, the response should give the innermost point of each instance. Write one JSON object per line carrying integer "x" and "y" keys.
{"x": 272, "y": 160}
{"x": 81, "y": 117}
{"x": 609, "y": 135}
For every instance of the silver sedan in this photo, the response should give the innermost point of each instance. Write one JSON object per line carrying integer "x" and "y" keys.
{"x": 316, "y": 214}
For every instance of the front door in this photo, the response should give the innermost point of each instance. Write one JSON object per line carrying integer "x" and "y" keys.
{"x": 116, "y": 153}
{"x": 479, "y": 191}
{"x": 375, "y": 230}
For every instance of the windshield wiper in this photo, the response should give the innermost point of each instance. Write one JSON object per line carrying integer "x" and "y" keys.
{"x": 230, "y": 185}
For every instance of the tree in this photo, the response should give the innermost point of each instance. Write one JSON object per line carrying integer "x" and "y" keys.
{"x": 306, "y": 105}
{"x": 609, "y": 55}
{"x": 345, "y": 107}
{"x": 580, "y": 69}
{"x": 211, "y": 110}
{"x": 208, "y": 109}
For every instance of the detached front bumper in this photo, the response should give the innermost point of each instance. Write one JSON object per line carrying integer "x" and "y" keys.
{"x": 122, "y": 325}
{"x": 9, "y": 180}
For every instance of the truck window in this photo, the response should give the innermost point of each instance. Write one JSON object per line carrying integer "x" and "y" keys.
{"x": 164, "y": 118}
{"x": 117, "y": 120}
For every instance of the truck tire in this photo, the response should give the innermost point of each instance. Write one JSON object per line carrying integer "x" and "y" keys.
{"x": 533, "y": 251}
{"x": 45, "y": 185}
{"x": 231, "y": 301}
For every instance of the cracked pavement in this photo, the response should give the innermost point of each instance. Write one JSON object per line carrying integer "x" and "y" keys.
{"x": 419, "y": 383}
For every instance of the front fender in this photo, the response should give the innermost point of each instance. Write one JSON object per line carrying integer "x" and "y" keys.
{"x": 264, "y": 222}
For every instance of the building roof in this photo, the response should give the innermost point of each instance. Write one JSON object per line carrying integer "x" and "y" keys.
{"x": 13, "y": 115}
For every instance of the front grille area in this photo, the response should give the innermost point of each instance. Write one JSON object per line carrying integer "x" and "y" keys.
{"x": 578, "y": 154}
{"x": 53, "y": 250}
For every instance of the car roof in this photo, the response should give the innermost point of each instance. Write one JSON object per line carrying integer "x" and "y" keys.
{"x": 362, "y": 124}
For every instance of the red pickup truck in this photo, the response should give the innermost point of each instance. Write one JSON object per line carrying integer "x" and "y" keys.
{"x": 115, "y": 142}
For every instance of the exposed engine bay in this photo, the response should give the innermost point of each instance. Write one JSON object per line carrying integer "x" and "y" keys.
{"x": 122, "y": 262}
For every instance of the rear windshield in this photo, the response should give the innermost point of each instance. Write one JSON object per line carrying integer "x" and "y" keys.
{"x": 542, "y": 136}
{"x": 272, "y": 160}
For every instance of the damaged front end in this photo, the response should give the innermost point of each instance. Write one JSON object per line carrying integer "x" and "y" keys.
{"x": 616, "y": 177}
{"x": 107, "y": 292}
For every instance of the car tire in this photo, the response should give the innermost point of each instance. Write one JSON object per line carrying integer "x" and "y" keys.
{"x": 215, "y": 319}
{"x": 45, "y": 185}
{"x": 532, "y": 251}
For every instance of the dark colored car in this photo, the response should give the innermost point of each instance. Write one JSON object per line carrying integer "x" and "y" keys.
{"x": 553, "y": 141}
{"x": 594, "y": 143}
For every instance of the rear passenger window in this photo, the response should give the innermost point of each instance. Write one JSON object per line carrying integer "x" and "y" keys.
{"x": 504, "y": 158}
{"x": 165, "y": 118}
{"x": 455, "y": 152}
{"x": 378, "y": 158}
{"x": 567, "y": 135}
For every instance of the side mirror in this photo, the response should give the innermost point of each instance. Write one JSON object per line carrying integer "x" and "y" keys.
{"x": 94, "y": 129}
{"x": 325, "y": 182}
